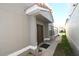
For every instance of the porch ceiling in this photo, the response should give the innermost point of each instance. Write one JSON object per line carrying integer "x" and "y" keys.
{"x": 40, "y": 17}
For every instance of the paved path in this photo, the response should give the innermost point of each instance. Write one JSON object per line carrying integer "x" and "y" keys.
{"x": 50, "y": 50}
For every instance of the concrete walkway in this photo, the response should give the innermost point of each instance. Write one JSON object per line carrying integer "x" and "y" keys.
{"x": 50, "y": 50}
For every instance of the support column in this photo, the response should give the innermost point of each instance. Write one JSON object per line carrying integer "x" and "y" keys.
{"x": 33, "y": 34}
{"x": 32, "y": 30}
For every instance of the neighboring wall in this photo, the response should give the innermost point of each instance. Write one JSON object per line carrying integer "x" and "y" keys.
{"x": 14, "y": 30}
{"x": 72, "y": 30}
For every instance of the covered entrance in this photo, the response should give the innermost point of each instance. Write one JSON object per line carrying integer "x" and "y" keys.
{"x": 40, "y": 37}
{"x": 40, "y": 18}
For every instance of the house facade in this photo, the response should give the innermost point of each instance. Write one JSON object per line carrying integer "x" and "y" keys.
{"x": 72, "y": 28}
{"x": 23, "y": 26}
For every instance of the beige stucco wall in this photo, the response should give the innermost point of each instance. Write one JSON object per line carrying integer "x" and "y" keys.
{"x": 14, "y": 31}
{"x": 18, "y": 30}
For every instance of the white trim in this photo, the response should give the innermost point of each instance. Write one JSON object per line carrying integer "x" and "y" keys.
{"x": 23, "y": 50}
{"x": 35, "y": 10}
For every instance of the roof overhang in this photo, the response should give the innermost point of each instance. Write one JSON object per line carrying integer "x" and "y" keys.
{"x": 35, "y": 10}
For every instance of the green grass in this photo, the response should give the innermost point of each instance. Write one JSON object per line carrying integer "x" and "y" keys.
{"x": 66, "y": 46}
{"x": 63, "y": 48}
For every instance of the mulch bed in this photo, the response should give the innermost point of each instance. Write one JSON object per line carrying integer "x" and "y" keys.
{"x": 45, "y": 46}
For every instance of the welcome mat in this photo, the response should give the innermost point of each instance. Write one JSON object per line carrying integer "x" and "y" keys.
{"x": 45, "y": 46}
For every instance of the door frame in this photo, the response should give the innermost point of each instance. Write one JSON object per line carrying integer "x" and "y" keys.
{"x": 41, "y": 34}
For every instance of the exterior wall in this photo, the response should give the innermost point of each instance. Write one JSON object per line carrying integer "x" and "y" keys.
{"x": 14, "y": 31}
{"x": 18, "y": 30}
{"x": 46, "y": 30}
{"x": 72, "y": 30}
